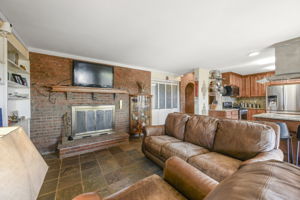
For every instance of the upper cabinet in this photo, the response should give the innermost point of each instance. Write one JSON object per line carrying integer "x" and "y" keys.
{"x": 257, "y": 89}
{"x": 247, "y": 84}
{"x": 231, "y": 78}
{"x": 245, "y": 90}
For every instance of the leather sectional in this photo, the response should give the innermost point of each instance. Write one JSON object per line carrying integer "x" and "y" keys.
{"x": 217, "y": 147}
{"x": 260, "y": 180}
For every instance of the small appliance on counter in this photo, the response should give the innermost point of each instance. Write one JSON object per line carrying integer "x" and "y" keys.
{"x": 227, "y": 105}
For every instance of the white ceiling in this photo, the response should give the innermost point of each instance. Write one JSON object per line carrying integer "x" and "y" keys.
{"x": 169, "y": 35}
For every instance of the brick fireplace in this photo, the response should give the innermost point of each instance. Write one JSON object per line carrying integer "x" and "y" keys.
{"x": 47, "y": 126}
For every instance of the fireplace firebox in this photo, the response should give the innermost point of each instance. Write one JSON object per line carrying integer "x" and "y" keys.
{"x": 92, "y": 120}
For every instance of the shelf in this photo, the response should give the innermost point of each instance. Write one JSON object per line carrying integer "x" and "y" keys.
{"x": 78, "y": 89}
{"x": 15, "y": 45}
{"x": 13, "y": 123}
{"x": 18, "y": 98}
{"x": 13, "y": 67}
{"x": 12, "y": 84}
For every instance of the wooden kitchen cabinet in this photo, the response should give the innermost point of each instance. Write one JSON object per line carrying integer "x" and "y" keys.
{"x": 224, "y": 114}
{"x": 252, "y": 112}
{"x": 246, "y": 87}
{"x": 259, "y": 89}
{"x": 231, "y": 78}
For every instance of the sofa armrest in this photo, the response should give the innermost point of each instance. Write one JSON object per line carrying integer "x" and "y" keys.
{"x": 154, "y": 130}
{"x": 88, "y": 196}
{"x": 275, "y": 154}
{"x": 188, "y": 180}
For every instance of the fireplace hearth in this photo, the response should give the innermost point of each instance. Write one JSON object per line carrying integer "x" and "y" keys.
{"x": 90, "y": 121}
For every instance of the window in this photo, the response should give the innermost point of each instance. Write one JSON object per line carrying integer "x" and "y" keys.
{"x": 175, "y": 96}
{"x": 162, "y": 96}
{"x": 165, "y": 95}
{"x": 154, "y": 92}
{"x": 169, "y": 96}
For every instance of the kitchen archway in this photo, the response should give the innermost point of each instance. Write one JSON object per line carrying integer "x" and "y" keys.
{"x": 189, "y": 98}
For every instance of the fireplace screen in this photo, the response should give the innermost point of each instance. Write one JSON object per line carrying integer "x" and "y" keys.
{"x": 88, "y": 120}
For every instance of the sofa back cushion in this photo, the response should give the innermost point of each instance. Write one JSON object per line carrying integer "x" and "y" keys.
{"x": 175, "y": 125}
{"x": 201, "y": 130}
{"x": 243, "y": 139}
{"x": 260, "y": 180}
{"x": 276, "y": 128}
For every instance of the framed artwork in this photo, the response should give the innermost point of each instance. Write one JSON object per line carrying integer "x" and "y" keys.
{"x": 17, "y": 78}
{"x": 24, "y": 80}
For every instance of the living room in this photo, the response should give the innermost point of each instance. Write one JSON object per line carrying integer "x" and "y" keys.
{"x": 149, "y": 100}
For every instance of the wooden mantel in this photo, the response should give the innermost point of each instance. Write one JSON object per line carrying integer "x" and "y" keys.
{"x": 61, "y": 88}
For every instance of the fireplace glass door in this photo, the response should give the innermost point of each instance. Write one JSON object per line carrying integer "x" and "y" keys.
{"x": 88, "y": 120}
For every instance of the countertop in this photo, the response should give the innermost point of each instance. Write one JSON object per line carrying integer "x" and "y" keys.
{"x": 222, "y": 110}
{"x": 288, "y": 117}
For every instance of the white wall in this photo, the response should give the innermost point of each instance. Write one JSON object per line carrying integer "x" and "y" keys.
{"x": 201, "y": 102}
{"x": 161, "y": 76}
{"x": 3, "y": 87}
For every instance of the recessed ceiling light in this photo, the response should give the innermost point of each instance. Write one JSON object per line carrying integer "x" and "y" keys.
{"x": 253, "y": 53}
{"x": 270, "y": 67}
{"x": 265, "y": 61}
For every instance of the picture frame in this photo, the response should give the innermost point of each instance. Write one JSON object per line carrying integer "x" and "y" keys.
{"x": 17, "y": 78}
{"x": 24, "y": 81}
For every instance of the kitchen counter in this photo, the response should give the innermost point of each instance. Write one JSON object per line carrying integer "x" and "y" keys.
{"x": 225, "y": 113}
{"x": 278, "y": 116}
{"x": 222, "y": 110}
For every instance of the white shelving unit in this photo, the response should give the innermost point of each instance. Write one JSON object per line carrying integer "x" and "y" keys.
{"x": 14, "y": 96}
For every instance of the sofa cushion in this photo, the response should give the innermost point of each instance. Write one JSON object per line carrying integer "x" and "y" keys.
{"x": 183, "y": 150}
{"x": 276, "y": 129}
{"x": 154, "y": 143}
{"x": 215, "y": 165}
{"x": 201, "y": 130}
{"x": 175, "y": 125}
{"x": 150, "y": 188}
{"x": 261, "y": 180}
{"x": 243, "y": 139}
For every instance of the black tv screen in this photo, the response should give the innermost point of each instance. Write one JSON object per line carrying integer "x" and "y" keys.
{"x": 92, "y": 75}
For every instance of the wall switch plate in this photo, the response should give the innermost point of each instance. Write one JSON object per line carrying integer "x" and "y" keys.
{"x": 121, "y": 104}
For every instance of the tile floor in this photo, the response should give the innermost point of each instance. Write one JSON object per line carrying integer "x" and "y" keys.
{"x": 105, "y": 171}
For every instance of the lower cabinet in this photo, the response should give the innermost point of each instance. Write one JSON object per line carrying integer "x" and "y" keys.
{"x": 252, "y": 112}
{"x": 224, "y": 114}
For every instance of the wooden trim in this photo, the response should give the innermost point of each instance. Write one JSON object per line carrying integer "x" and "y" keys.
{"x": 134, "y": 95}
{"x": 60, "y": 88}
{"x": 285, "y": 82}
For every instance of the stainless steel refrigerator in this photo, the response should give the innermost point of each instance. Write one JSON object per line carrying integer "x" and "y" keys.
{"x": 283, "y": 98}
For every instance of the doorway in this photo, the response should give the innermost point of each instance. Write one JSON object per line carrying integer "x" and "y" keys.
{"x": 189, "y": 98}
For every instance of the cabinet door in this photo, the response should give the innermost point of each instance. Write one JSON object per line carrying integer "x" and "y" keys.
{"x": 226, "y": 78}
{"x": 253, "y": 89}
{"x": 246, "y": 86}
{"x": 257, "y": 89}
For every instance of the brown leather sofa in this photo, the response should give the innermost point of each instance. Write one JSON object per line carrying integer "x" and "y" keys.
{"x": 259, "y": 180}
{"x": 217, "y": 147}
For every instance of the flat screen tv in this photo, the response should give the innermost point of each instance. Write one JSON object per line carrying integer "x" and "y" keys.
{"x": 92, "y": 75}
